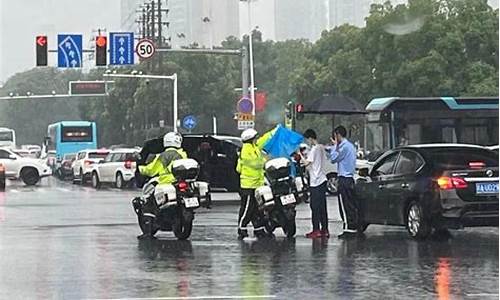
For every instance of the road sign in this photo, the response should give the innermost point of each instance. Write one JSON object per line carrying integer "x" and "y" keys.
{"x": 87, "y": 88}
{"x": 121, "y": 48}
{"x": 245, "y": 105}
{"x": 245, "y": 117}
{"x": 189, "y": 122}
{"x": 69, "y": 50}
{"x": 242, "y": 125}
{"x": 145, "y": 48}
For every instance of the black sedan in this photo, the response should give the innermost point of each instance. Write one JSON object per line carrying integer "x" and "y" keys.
{"x": 434, "y": 186}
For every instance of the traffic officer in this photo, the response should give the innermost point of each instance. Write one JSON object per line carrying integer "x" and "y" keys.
{"x": 251, "y": 169}
{"x": 161, "y": 166}
{"x": 344, "y": 154}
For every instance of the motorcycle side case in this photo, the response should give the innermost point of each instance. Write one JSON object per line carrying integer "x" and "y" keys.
{"x": 263, "y": 194}
{"x": 165, "y": 193}
{"x": 201, "y": 187}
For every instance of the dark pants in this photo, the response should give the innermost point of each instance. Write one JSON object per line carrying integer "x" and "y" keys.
{"x": 348, "y": 205}
{"x": 249, "y": 212}
{"x": 318, "y": 207}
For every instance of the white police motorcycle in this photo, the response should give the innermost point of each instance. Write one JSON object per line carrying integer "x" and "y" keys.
{"x": 171, "y": 207}
{"x": 277, "y": 199}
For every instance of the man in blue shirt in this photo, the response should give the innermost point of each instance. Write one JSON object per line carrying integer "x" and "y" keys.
{"x": 343, "y": 153}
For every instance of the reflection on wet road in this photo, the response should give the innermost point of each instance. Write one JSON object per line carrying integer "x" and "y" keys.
{"x": 64, "y": 241}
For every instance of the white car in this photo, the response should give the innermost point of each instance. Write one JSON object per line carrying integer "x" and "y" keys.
{"x": 29, "y": 170}
{"x": 117, "y": 168}
{"x": 82, "y": 165}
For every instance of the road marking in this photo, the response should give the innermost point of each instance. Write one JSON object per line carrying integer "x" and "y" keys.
{"x": 194, "y": 298}
{"x": 482, "y": 295}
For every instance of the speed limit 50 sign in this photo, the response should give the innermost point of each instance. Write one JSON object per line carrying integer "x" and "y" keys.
{"x": 145, "y": 48}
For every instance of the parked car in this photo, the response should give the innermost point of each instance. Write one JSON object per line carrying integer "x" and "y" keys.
{"x": 82, "y": 165}
{"x": 29, "y": 170}
{"x": 117, "y": 168}
{"x": 433, "y": 186}
{"x": 63, "y": 168}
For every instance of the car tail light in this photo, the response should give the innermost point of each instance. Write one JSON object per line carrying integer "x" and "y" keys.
{"x": 183, "y": 186}
{"x": 477, "y": 164}
{"x": 128, "y": 164}
{"x": 88, "y": 162}
{"x": 448, "y": 183}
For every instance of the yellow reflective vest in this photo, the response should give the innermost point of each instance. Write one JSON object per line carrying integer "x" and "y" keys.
{"x": 161, "y": 166}
{"x": 251, "y": 163}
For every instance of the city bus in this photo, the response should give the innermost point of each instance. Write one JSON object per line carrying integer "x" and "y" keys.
{"x": 397, "y": 121}
{"x": 7, "y": 137}
{"x": 71, "y": 136}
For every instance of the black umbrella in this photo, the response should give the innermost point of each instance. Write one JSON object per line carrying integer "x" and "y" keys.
{"x": 334, "y": 104}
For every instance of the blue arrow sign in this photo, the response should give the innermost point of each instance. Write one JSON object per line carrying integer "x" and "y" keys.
{"x": 121, "y": 48}
{"x": 69, "y": 50}
{"x": 189, "y": 122}
{"x": 245, "y": 105}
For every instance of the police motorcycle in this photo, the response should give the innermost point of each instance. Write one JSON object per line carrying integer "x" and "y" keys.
{"x": 171, "y": 207}
{"x": 279, "y": 197}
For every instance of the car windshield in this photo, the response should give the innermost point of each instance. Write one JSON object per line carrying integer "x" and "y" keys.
{"x": 98, "y": 155}
{"x": 460, "y": 158}
{"x": 6, "y": 136}
{"x": 69, "y": 156}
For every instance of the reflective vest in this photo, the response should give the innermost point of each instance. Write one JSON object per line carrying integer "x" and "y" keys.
{"x": 251, "y": 163}
{"x": 161, "y": 166}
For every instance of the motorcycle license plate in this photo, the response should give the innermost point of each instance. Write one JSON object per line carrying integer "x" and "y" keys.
{"x": 191, "y": 202}
{"x": 487, "y": 188}
{"x": 288, "y": 199}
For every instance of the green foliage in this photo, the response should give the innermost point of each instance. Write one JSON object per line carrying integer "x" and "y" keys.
{"x": 424, "y": 48}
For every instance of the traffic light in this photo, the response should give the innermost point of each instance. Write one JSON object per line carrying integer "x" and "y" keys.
{"x": 101, "y": 51}
{"x": 41, "y": 50}
{"x": 299, "y": 111}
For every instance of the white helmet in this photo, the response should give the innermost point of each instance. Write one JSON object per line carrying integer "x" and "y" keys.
{"x": 248, "y": 134}
{"x": 172, "y": 139}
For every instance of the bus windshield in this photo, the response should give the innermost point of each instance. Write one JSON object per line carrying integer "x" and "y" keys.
{"x": 6, "y": 136}
{"x": 377, "y": 139}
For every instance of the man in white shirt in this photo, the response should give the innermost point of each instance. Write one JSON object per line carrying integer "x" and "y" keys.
{"x": 317, "y": 187}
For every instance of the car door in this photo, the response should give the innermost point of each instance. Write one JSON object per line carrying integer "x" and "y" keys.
{"x": 403, "y": 185}
{"x": 117, "y": 161}
{"x": 8, "y": 161}
{"x": 373, "y": 195}
{"x": 78, "y": 163}
{"x": 105, "y": 167}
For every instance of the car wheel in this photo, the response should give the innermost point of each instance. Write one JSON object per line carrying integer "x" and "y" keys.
{"x": 82, "y": 177}
{"x": 96, "y": 184}
{"x": 362, "y": 227}
{"x": 119, "y": 181}
{"x": 417, "y": 221}
{"x": 30, "y": 176}
{"x": 331, "y": 186}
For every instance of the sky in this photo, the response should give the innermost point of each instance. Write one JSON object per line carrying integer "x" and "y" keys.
{"x": 22, "y": 20}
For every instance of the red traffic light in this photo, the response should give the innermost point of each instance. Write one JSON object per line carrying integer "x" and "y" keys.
{"x": 299, "y": 108}
{"x": 100, "y": 41}
{"x": 41, "y": 40}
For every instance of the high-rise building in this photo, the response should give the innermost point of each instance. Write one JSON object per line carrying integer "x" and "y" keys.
{"x": 204, "y": 22}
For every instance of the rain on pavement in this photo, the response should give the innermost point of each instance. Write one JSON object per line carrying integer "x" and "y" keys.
{"x": 59, "y": 240}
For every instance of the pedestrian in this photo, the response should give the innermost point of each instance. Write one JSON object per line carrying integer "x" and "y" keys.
{"x": 317, "y": 186}
{"x": 251, "y": 169}
{"x": 343, "y": 153}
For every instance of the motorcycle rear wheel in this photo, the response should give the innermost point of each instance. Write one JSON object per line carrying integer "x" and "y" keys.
{"x": 183, "y": 226}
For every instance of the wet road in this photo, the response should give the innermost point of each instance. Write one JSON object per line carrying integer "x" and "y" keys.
{"x": 58, "y": 240}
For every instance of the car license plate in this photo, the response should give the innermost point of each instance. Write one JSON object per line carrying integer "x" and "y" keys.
{"x": 288, "y": 199}
{"x": 487, "y": 188}
{"x": 191, "y": 202}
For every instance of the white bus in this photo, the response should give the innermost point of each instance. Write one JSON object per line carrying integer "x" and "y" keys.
{"x": 7, "y": 137}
